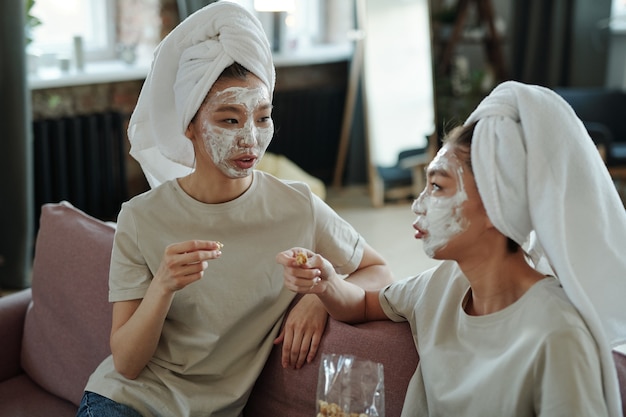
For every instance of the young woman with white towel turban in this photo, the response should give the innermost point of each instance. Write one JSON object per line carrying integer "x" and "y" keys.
{"x": 193, "y": 323}
{"x": 503, "y": 331}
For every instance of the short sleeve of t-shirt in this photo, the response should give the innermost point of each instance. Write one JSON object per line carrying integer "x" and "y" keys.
{"x": 335, "y": 236}
{"x": 400, "y": 299}
{"x": 127, "y": 261}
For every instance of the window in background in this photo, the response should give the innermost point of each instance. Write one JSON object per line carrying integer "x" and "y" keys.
{"x": 63, "y": 20}
{"x": 303, "y": 23}
{"x": 618, "y": 15}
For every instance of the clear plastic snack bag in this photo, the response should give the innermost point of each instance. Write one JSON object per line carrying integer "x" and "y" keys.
{"x": 350, "y": 387}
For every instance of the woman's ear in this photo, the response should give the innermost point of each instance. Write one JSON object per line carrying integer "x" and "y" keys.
{"x": 189, "y": 132}
{"x": 488, "y": 223}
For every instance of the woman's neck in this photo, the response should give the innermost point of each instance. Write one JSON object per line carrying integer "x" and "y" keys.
{"x": 211, "y": 189}
{"x": 498, "y": 282}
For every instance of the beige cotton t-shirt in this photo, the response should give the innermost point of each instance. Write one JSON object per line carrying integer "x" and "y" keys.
{"x": 219, "y": 330}
{"x": 534, "y": 358}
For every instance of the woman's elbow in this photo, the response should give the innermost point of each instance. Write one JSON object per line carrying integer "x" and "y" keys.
{"x": 383, "y": 275}
{"x": 379, "y": 271}
{"x": 128, "y": 372}
{"x": 124, "y": 363}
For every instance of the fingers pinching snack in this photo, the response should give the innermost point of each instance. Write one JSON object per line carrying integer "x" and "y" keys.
{"x": 220, "y": 245}
{"x": 301, "y": 258}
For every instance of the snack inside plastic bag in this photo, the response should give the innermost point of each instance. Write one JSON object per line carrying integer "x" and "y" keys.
{"x": 350, "y": 387}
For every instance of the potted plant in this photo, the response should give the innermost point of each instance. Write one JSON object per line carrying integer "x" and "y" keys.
{"x": 30, "y": 23}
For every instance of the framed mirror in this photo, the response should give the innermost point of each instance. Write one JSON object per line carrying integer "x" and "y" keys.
{"x": 398, "y": 94}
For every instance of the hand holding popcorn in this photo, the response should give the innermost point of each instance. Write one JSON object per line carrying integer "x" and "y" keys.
{"x": 304, "y": 271}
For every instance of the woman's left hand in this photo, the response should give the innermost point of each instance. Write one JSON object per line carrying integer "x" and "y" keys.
{"x": 302, "y": 332}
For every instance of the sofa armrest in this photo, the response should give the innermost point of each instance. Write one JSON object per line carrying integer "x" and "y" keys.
{"x": 12, "y": 313}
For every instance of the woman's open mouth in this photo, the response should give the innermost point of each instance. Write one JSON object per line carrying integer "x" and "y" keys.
{"x": 420, "y": 233}
{"x": 245, "y": 162}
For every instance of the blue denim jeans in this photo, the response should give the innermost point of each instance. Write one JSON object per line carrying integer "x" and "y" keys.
{"x": 94, "y": 405}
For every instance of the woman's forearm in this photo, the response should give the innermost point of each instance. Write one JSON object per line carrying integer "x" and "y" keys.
{"x": 344, "y": 300}
{"x": 133, "y": 344}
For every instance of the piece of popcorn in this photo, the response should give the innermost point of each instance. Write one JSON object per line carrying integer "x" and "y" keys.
{"x": 301, "y": 258}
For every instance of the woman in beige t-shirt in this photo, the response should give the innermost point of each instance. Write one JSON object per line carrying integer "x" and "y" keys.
{"x": 501, "y": 330}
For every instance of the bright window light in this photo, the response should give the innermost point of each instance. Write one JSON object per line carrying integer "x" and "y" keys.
{"x": 62, "y": 20}
{"x": 618, "y": 15}
{"x": 274, "y": 5}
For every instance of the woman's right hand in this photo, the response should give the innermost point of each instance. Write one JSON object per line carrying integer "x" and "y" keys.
{"x": 310, "y": 277}
{"x": 185, "y": 262}
{"x": 343, "y": 299}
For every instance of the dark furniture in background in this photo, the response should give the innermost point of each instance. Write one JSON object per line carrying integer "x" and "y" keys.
{"x": 308, "y": 113}
{"x": 81, "y": 159}
{"x": 603, "y": 111}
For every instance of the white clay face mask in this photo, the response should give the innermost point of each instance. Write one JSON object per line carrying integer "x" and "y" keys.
{"x": 225, "y": 144}
{"x": 440, "y": 217}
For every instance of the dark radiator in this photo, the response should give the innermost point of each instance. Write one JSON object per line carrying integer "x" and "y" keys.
{"x": 81, "y": 159}
{"x": 308, "y": 126}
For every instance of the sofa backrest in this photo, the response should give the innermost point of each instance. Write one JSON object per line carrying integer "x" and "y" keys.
{"x": 288, "y": 392}
{"x": 67, "y": 326}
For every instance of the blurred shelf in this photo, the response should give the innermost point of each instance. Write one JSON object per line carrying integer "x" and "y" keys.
{"x": 119, "y": 71}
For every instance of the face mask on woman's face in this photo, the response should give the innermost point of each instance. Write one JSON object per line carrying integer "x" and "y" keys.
{"x": 439, "y": 206}
{"x": 236, "y": 128}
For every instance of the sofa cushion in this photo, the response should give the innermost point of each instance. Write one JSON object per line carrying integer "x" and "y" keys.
{"x": 290, "y": 392}
{"x": 21, "y": 397}
{"x": 67, "y": 326}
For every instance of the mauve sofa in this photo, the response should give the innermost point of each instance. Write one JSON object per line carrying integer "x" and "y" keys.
{"x": 54, "y": 334}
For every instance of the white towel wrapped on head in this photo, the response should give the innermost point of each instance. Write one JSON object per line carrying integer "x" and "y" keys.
{"x": 537, "y": 170}
{"x": 186, "y": 65}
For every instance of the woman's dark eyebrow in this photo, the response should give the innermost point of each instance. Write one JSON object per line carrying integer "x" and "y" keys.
{"x": 431, "y": 172}
{"x": 227, "y": 107}
{"x": 235, "y": 108}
